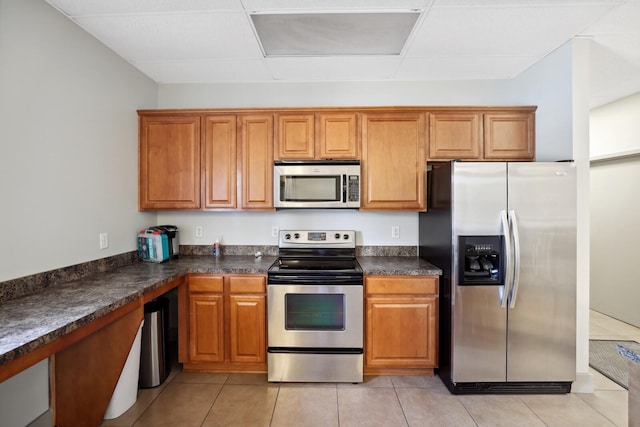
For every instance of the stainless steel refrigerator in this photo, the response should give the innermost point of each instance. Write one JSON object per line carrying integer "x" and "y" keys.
{"x": 504, "y": 235}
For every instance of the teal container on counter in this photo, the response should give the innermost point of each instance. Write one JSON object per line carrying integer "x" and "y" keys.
{"x": 153, "y": 246}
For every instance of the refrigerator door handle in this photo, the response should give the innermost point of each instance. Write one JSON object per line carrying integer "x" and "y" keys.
{"x": 508, "y": 276}
{"x": 516, "y": 261}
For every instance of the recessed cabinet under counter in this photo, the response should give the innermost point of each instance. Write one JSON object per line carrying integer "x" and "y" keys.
{"x": 401, "y": 325}
{"x": 222, "y": 323}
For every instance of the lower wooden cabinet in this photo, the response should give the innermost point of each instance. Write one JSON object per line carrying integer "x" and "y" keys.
{"x": 401, "y": 324}
{"x": 247, "y": 319}
{"x": 222, "y": 323}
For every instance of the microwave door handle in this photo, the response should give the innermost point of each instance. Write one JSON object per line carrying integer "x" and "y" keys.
{"x": 344, "y": 188}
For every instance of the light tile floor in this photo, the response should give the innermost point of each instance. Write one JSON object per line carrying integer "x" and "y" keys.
{"x": 206, "y": 400}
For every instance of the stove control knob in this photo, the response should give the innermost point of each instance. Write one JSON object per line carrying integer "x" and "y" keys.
{"x": 337, "y": 236}
{"x": 287, "y": 236}
{"x": 296, "y": 236}
{"x": 346, "y": 237}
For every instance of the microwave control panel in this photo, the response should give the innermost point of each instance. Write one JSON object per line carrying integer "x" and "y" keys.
{"x": 353, "y": 190}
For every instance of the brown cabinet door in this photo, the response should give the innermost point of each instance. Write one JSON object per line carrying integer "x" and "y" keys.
{"x": 455, "y": 136}
{"x": 338, "y": 136}
{"x": 257, "y": 161}
{"x": 169, "y": 162}
{"x": 220, "y": 161}
{"x": 401, "y": 324}
{"x": 295, "y": 136}
{"x": 393, "y": 161}
{"x": 401, "y": 331}
{"x": 247, "y": 329}
{"x": 206, "y": 326}
{"x": 509, "y": 136}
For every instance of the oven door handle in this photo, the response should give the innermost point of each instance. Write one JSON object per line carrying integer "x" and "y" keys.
{"x": 275, "y": 279}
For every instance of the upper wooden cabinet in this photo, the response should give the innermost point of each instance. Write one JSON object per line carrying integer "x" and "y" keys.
{"x": 257, "y": 161}
{"x": 393, "y": 161}
{"x": 509, "y": 135}
{"x": 191, "y": 161}
{"x": 455, "y": 135}
{"x": 491, "y": 134}
{"x": 316, "y": 136}
{"x": 220, "y": 161}
{"x": 215, "y": 159}
{"x": 169, "y": 162}
{"x": 295, "y": 136}
{"x": 338, "y": 136}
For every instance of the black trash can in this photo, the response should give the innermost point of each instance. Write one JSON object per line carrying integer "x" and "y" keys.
{"x": 155, "y": 363}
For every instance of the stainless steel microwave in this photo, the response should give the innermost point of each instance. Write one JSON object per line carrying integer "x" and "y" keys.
{"x": 317, "y": 184}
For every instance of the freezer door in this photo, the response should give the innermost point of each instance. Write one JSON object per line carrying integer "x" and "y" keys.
{"x": 478, "y": 322}
{"x": 542, "y": 308}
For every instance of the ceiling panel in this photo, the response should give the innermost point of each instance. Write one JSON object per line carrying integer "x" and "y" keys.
{"x": 624, "y": 19}
{"x": 206, "y": 71}
{"x": 326, "y": 5}
{"x": 101, "y": 7}
{"x": 175, "y": 36}
{"x": 530, "y": 31}
{"x": 463, "y": 67}
{"x": 334, "y": 68}
{"x": 202, "y": 41}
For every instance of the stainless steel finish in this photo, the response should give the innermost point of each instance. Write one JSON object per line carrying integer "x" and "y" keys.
{"x": 506, "y": 234}
{"x": 323, "y": 239}
{"x": 316, "y": 196}
{"x": 479, "y": 347}
{"x": 542, "y": 326}
{"x": 154, "y": 358}
{"x": 350, "y": 337}
{"x": 315, "y": 314}
{"x": 306, "y": 367}
{"x": 533, "y": 341}
{"x": 513, "y": 292}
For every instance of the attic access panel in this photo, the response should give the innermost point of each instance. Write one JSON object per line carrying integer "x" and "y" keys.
{"x": 334, "y": 34}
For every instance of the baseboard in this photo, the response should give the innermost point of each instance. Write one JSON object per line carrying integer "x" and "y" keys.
{"x": 44, "y": 420}
{"x": 583, "y": 383}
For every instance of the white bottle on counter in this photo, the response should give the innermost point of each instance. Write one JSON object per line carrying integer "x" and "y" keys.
{"x": 217, "y": 248}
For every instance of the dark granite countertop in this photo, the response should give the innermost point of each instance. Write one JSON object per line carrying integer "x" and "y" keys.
{"x": 31, "y": 321}
{"x": 397, "y": 265}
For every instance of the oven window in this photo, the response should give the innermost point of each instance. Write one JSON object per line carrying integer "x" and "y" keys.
{"x": 321, "y": 312}
{"x": 310, "y": 188}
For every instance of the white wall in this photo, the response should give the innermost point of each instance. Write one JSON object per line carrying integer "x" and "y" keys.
{"x": 68, "y": 132}
{"x": 615, "y": 210}
{"x": 580, "y": 87}
{"x": 615, "y": 127}
{"x": 68, "y": 159}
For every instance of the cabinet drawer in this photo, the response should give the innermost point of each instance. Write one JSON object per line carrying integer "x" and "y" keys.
{"x": 206, "y": 284}
{"x": 247, "y": 285}
{"x": 402, "y": 285}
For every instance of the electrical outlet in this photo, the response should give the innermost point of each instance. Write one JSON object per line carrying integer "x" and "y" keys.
{"x": 104, "y": 240}
{"x": 274, "y": 231}
{"x": 199, "y": 231}
{"x": 395, "y": 232}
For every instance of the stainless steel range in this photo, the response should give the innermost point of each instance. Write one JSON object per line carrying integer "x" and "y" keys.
{"x": 315, "y": 308}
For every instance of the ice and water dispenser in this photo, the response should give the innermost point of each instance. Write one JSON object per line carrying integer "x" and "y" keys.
{"x": 480, "y": 261}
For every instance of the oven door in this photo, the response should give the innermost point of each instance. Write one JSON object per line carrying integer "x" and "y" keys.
{"x": 315, "y": 316}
